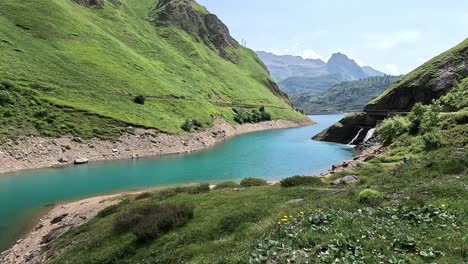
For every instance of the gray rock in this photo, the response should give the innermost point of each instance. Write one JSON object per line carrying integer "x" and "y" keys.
{"x": 81, "y": 161}
{"x": 63, "y": 160}
{"x": 54, "y": 233}
{"x": 293, "y": 201}
{"x": 58, "y": 218}
{"x": 346, "y": 180}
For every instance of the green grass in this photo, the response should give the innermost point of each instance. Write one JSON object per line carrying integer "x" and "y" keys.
{"x": 97, "y": 60}
{"x": 420, "y": 216}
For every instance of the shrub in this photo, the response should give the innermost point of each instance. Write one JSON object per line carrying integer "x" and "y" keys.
{"x": 201, "y": 188}
{"x": 253, "y": 116}
{"x": 144, "y": 195}
{"x": 226, "y": 185}
{"x": 249, "y": 182}
{"x": 108, "y": 210}
{"x": 190, "y": 124}
{"x": 5, "y": 98}
{"x": 392, "y": 128}
{"x": 300, "y": 181}
{"x": 424, "y": 118}
{"x": 139, "y": 99}
{"x": 7, "y": 85}
{"x": 371, "y": 197}
{"x": 150, "y": 221}
{"x": 432, "y": 140}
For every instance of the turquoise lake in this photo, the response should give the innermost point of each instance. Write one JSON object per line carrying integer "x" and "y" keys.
{"x": 271, "y": 155}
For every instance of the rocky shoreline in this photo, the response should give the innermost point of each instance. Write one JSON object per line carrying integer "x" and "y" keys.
{"x": 39, "y": 152}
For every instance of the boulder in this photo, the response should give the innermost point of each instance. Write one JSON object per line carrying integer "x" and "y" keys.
{"x": 63, "y": 160}
{"x": 58, "y": 219}
{"x": 79, "y": 161}
{"x": 54, "y": 233}
{"x": 346, "y": 180}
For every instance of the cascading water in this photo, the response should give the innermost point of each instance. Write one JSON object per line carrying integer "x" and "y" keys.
{"x": 369, "y": 135}
{"x": 356, "y": 137}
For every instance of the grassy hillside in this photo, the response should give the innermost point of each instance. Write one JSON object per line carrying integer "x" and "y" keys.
{"x": 397, "y": 212}
{"x": 350, "y": 96}
{"x": 93, "y": 61}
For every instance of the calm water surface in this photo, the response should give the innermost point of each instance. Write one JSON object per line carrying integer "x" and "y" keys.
{"x": 270, "y": 155}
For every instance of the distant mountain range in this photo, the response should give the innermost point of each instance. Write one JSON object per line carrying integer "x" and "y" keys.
{"x": 296, "y": 75}
{"x": 347, "y": 96}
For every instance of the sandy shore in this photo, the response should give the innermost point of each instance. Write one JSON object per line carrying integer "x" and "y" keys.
{"x": 39, "y": 152}
{"x": 56, "y": 222}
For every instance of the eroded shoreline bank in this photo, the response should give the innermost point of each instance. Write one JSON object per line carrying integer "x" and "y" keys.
{"x": 38, "y": 152}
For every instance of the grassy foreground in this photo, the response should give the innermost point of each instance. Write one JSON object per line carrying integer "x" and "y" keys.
{"x": 413, "y": 212}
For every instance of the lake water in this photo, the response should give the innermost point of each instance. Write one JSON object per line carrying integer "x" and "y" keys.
{"x": 271, "y": 155}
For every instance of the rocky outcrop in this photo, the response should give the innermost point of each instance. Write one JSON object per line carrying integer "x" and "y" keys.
{"x": 348, "y": 128}
{"x": 208, "y": 28}
{"x": 430, "y": 81}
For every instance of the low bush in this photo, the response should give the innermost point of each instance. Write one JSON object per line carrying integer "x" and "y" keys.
{"x": 370, "y": 197}
{"x": 201, "y": 188}
{"x": 226, "y": 185}
{"x": 432, "y": 140}
{"x": 5, "y": 98}
{"x": 249, "y": 182}
{"x": 108, "y": 210}
{"x": 144, "y": 195}
{"x": 7, "y": 85}
{"x": 140, "y": 99}
{"x": 151, "y": 221}
{"x": 191, "y": 124}
{"x": 300, "y": 181}
{"x": 392, "y": 128}
{"x": 253, "y": 116}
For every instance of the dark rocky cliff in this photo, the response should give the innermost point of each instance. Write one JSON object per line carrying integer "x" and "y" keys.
{"x": 430, "y": 81}
{"x": 201, "y": 25}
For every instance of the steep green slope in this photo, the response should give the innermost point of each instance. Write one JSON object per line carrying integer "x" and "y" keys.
{"x": 350, "y": 96}
{"x": 429, "y": 81}
{"x": 95, "y": 56}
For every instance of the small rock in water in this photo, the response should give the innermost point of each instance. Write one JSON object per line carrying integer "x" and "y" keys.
{"x": 346, "y": 180}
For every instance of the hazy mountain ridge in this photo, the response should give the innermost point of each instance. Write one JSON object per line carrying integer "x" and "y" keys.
{"x": 296, "y": 75}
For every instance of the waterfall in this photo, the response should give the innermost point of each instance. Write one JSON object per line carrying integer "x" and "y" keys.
{"x": 369, "y": 135}
{"x": 356, "y": 137}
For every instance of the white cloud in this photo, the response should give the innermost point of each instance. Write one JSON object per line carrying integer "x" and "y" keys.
{"x": 304, "y": 53}
{"x": 392, "y": 69}
{"x": 385, "y": 41}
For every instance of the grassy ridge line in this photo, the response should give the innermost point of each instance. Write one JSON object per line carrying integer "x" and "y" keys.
{"x": 79, "y": 56}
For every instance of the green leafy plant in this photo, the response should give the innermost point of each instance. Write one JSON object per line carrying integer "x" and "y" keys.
{"x": 250, "y": 182}
{"x": 371, "y": 197}
{"x": 226, "y": 185}
{"x": 301, "y": 181}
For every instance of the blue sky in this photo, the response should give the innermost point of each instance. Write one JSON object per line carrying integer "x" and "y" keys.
{"x": 392, "y": 36}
